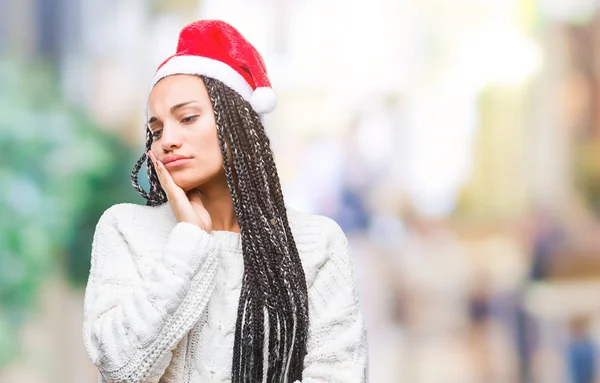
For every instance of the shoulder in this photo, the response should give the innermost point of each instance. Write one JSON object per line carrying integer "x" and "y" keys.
{"x": 323, "y": 248}
{"x": 126, "y": 210}
{"x": 125, "y": 229}
{"x": 136, "y": 224}
{"x": 134, "y": 214}
{"x": 315, "y": 226}
{"x": 120, "y": 237}
{"x": 317, "y": 237}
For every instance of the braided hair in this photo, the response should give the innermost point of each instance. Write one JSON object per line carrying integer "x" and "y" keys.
{"x": 273, "y": 304}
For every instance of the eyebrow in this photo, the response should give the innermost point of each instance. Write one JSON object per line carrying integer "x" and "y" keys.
{"x": 173, "y": 109}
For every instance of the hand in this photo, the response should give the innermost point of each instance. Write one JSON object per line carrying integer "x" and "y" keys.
{"x": 188, "y": 207}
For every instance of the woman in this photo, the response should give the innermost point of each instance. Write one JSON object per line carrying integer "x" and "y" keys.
{"x": 215, "y": 280}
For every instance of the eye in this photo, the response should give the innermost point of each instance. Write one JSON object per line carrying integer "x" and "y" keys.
{"x": 156, "y": 134}
{"x": 189, "y": 119}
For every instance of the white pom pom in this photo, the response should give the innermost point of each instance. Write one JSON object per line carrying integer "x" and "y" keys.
{"x": 263, "y": 100}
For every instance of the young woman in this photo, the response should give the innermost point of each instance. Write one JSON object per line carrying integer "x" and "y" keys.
{"x": 216, "y": 280}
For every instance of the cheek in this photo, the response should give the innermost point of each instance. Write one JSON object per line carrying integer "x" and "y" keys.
{"x": 217, "y": 155}
{"x": 154, "y": 147}
{"x": 208, "y": 146}
{"x": 211, "y": 159}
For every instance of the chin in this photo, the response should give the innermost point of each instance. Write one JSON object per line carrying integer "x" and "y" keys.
{"x": 193, "y": 179}
{"x": 186, "y": 183}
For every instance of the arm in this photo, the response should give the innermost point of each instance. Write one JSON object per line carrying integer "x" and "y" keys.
{"x": 337, "y": 342}
{"x": 131, "y": 323}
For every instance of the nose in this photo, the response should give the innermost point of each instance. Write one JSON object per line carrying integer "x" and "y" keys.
{"x": 170, "y": 138}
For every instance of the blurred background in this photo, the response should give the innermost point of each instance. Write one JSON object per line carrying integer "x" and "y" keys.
{"x": 457, "y": 142}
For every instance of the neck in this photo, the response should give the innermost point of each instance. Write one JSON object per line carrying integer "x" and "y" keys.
{"x": 219, "y": 205}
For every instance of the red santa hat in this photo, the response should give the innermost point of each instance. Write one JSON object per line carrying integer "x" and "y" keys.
{"x": 215, "y": 49}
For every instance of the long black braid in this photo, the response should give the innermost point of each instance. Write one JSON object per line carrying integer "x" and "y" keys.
{"x": 273, "y": 298}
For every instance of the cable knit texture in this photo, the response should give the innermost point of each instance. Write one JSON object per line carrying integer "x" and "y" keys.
{"x": 161, "y": 299}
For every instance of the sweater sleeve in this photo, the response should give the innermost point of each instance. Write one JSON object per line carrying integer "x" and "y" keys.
{"x": 337, "y": 338}
{"x": 131, "y": 322}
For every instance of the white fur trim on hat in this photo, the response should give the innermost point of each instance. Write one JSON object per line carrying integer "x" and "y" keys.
{"x": 208, "y": 67}
{"x": 263, "y": 100}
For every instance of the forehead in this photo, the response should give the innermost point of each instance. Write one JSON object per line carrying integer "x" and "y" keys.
{"x": 175, "y": 89}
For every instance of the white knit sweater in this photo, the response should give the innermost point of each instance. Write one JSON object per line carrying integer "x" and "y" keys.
{"x": 162, "y": 297}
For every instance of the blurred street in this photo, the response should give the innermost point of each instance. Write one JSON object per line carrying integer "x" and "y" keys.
{"x": 457, "y": 143}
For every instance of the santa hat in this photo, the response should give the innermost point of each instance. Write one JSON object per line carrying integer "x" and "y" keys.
{"x": 215, "y": 49}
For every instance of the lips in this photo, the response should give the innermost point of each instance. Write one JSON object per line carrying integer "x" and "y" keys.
{"x": 174, "y": 158}
{"x": 174, "y": 161}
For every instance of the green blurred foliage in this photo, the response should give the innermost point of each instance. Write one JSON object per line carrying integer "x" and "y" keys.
{"x": 58, "y": 173}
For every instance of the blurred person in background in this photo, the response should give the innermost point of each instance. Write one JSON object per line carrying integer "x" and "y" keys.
{"x": 545, "y": 236}
{"x": 581, "y": 352}
{"x": 216, "y": 279}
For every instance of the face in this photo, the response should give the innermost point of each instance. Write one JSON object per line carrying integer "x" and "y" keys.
{"x": 182, "y": 123}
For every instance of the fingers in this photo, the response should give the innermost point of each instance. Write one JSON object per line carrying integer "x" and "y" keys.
{"x": 164, "y": 177}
